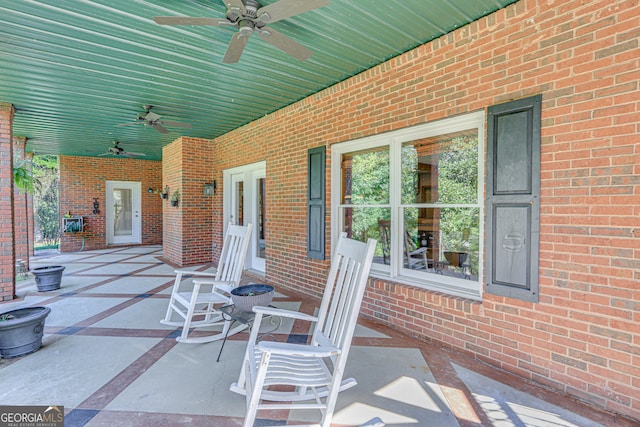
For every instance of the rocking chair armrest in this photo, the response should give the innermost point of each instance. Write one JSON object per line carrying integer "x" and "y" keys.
{"x": 225, "y": 287}
{"x": 194, "y": 273}
{"x": 273, "y": 311}
{"x": 419, "y": 251}
{"x": 299, "y": 350}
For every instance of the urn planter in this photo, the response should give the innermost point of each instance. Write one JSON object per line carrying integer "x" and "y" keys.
{"x": 21, "y": 331}
{"x": 48, "y": 278}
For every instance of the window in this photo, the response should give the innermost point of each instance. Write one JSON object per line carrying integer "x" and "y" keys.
{"x": 418, "y": 191}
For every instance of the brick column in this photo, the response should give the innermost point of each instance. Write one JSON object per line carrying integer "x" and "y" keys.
{"x": 187, "y": 164}
{"x": 22, "y": 201}
{"x": 7, "y": 244}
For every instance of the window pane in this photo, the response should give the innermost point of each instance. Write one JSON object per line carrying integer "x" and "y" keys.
{"x": 239, "y": 197}
{"x": 418, "y": 248}
{"x": 452, "y": 236}
{"x": 365, "y": 177}
{"x": 122, "y": 212}
{"x": 363, "y": 223}
{"x": 261, "y": 211}
{"x": 442, "y": 169}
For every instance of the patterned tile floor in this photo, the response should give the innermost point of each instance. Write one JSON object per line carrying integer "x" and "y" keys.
{"x": 107, "y": 359}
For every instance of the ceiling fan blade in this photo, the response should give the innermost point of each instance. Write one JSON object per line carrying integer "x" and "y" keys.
{"x": 185, "y": 20}
{"x": 128, "y": 153}
{"x": 175, "y": 124}
{"x": 286, "y": 8}
{"x": 104, "y": 154}
{"x": 235, "y": 48}
{"x": 129, "y": 124}
{"x": 159, "y": 128}
{"x": 285, "y": 44}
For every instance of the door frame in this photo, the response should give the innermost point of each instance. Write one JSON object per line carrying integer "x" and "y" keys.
{"x": 136, "y": 217}
{"x": 248, "y": 174}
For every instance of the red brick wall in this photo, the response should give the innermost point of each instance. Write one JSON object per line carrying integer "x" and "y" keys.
{"x": 188, "y": 228}
{"x": 84, "y": 178}
{"x": 7, "y": 243}
{"x": 584, "y": 335}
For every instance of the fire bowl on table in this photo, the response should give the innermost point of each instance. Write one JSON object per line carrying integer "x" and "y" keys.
{"x": 456, "y": 259}
{"x": 247, "y": 296}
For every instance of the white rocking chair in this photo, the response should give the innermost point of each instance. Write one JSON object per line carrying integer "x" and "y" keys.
{"x": 210, "y": 290}
{"x": 313, "y": 371}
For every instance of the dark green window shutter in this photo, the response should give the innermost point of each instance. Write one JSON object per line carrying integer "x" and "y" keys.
{"x": 315, "y": 203}
{"x": 513, "y": 199}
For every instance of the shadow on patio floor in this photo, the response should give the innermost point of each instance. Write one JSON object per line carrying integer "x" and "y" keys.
{"x": 107, "y": 359}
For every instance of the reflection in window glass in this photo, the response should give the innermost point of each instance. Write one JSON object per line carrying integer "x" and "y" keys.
{"x": 239, "y": 197}
{"x": 122, "y": 212}
{"x": 364, "y": 223}
{"x": 261, "y": 185}
{"x": 451, "y": 238}
{"x": 441, "y": 169}
{"x": 366, "y": 177}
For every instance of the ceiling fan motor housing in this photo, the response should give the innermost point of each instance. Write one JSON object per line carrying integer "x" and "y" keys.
{"x": 252, "y": 8}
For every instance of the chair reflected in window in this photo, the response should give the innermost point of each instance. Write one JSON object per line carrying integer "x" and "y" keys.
{"x": 415, "y": 257}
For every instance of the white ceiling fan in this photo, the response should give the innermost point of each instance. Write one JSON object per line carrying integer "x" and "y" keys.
{"x": 118, "y": 151}
{"x": 151, "y": 119}
{"x": 248, "y": 16}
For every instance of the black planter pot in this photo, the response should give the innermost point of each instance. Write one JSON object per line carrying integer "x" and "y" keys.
{"x": 48, "y": 278}
{"x": 22, "y": 333}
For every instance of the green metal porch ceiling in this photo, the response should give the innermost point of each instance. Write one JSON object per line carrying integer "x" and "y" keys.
{"x": 76, "y": 69}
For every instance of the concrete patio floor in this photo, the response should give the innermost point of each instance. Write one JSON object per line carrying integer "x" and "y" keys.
{"x": 107, "y": 359}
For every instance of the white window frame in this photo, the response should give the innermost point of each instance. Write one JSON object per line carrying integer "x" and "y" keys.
{"x": 466, "y": 288}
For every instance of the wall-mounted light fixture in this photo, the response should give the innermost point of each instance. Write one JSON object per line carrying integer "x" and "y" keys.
{"x": 150, "y": 190}
{"x": 165, "y": 193}
{"x": 96, "y": 206}
{"x": 209, "y": 188}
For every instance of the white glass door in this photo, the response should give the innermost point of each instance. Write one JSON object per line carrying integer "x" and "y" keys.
{"x": 123, "y": 212}
{"x": 244, "y": 202}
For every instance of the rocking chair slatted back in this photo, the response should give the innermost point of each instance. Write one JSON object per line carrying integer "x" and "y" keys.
{"x": 231, "y": 262}
{"x": 337, "y": 315}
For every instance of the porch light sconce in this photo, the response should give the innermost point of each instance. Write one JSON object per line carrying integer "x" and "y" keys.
{"x": 210, "y": 189}
{"x": 96, "y": 206}
{"x": 150, "y": 190}
{"x": 165, "y": 193}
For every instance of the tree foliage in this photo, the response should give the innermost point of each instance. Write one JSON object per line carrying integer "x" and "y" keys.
{"x": 45, "y": 199}
{"x": 369, "y": 185}
{"x": 23, "y": 176}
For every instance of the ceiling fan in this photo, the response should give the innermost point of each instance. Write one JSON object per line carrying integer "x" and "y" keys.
{"x": 148, "y": 118}
{"x": 249, "y": 16}
{"x": 116, "y": 150}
